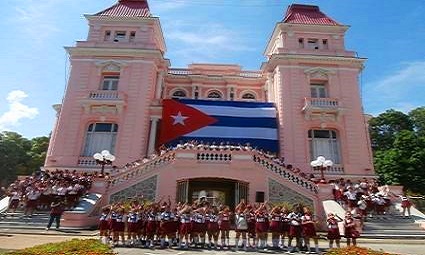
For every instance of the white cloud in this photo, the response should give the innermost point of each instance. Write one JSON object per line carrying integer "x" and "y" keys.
{"x": 159, "y": 6}
{"x": 409, "y": 76}
{"x": 17, "y": 110}
{"x": 36, "y": 17}
{"x": 204, "y": 42}
{"x": 403, "y": 90}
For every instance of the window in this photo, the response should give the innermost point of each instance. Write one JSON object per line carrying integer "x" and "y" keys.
{"x": 214, "y": 95}
{"x": 100, "y": 136}
{"x": 110, "y": 82}
{"x": 301, "y": 43}
{"x": 132, "y": 36}
{"x": 248, "y": 96}
{"x": 178, "y": 94}
{"x": 107, "y": 36}
{"x": 318, "y": 91}
{"x": 325, "y": 44}
{"x": 313, "y": 44}
{"x": 324, "y": 143}
{"x": 119, "y": 36}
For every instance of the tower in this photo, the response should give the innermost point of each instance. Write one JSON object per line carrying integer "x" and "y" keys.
{"x": 314, "y": 82}
{"x": 115, "y": 82}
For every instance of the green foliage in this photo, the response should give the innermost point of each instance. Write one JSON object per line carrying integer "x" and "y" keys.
{"x": 399, "y": 148}
{"x": 73, "y": 247}
{"x": 20, "y": 156}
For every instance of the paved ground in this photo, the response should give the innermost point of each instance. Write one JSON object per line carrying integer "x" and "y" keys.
{"x": 20, "y": 241}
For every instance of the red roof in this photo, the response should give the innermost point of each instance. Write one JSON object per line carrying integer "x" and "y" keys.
{"x": 127, "y": 8}
{"x": 307, "y": 14}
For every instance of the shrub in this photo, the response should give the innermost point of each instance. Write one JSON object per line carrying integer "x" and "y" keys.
{"x": 355, "y": 250}
{"x": 73, "y": 247}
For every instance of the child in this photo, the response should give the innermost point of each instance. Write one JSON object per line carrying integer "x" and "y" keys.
{"x": 333, "y": 231}
{"x": 104, "y": 225}
{"x": 224, "y": 226}
{"x": 212, "y": 227}
{"x": 241, "y": 225}
{"x": 274, "y": 226}
{"x": 261, "y": 226}
{"x": 405, "y": 204}
{"x": 350, "y": 229}
{"x": 309, "y": 230}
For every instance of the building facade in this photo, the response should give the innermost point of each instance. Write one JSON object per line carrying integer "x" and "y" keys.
{"x": 119, "y": 78}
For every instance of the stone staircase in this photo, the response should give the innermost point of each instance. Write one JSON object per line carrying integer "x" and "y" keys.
{"x": 18, "y": 220}
{"x": 393, "y": 226}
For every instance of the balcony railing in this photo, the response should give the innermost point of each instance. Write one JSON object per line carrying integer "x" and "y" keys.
{"x": 104, "y": 95}
{"x": 86, "y": 161}
{"x": 246, "y": 74}
{"x": 325, "y": 103}
{"x": 335, "y": 169}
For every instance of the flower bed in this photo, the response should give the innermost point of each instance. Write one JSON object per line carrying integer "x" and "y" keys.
{"x": 73, "y": 247}
{"x": 355, "y": 250}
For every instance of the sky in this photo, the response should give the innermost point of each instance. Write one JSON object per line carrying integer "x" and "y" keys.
{"x": 34, "y": 64}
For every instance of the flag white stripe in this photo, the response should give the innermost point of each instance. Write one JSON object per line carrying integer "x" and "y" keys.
{"x": 212, "y": 110}
{"x": 235, "y": 132}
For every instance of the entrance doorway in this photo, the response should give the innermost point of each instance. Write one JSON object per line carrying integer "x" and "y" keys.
{"x": 217, "y": 191}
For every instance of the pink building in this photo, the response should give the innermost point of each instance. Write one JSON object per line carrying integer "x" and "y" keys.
{"x": 119, "y": 78}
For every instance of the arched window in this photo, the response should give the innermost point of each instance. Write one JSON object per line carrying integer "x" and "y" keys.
{"x": 325, "y": 143}
{"x": 100, "y": 136}
{"x": 214, "y": 95}
{"x": 248, "y": 96}
{"x": 178, "y": 94}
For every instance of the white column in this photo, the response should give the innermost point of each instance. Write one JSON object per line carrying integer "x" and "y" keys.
{"x": 159, "y": 82}
{"x": 152, "y": 135}
{"x": 271, "y": 97}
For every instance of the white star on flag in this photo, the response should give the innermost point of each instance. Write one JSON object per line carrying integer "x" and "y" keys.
{"x": 179, "y": 118}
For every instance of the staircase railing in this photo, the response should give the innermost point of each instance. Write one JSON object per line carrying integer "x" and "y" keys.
{"x": 283, "y": 172}
{"x": 141, "y": 169}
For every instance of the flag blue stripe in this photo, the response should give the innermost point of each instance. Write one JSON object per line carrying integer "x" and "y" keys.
{"x": 235, "y": 132}
{"x": 245, "y": 122}
{"x": 228, "y": 103}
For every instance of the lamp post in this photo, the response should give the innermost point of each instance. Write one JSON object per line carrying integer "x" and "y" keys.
{"x": 104, "y": 158}
{"x": 322, "y": 163}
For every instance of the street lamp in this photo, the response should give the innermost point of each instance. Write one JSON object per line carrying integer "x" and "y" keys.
{"x": 322, "y": 163}
{"x": 104, "y": 158}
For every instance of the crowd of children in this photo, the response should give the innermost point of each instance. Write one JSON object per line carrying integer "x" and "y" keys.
{"x": 40, "y": 190}
{"x": 203, "y": 225}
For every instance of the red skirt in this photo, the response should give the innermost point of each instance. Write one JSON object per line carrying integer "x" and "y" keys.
{"x": 284, "y": 227}
{"x": 151, "y": 227}
{"x": 185, "y": 228}
{"x": 198, "y": 227}
{"x": 261, "y": 227}
{"x": 251, "y": 227}
{"x": 103, "y": 225}
{"x": 118, "y": 226}
{"x": 224, "y": 225}
{"x": 274, "y": 226}
{"x": 32, "y": 203}
{"x": 294, "y": 231}
{"x": 406, "y": 204}
{"x": 351, "y": 232}
{"x": 333, "y": 234}
{"x": 132, "y": 227}
{"x": 308, "y": 230}
{"x": 167, "y": 227}
{"x": 212, "y": 227}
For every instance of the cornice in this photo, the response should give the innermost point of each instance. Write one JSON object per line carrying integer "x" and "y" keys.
{"x": 113, "y": 52}
{"x": 276, "y": 58}
{"x": 90, "y": 17}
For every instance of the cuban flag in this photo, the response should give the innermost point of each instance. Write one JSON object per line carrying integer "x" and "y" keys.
{"x": 219, "y": 121}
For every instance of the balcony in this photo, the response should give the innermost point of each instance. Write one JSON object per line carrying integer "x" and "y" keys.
{"x": 104, "y": 101}
{"x": 321, "y": 107}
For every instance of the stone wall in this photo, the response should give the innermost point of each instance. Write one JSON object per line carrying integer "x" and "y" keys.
{"x": 145, "y": 188}
{"x": 279, "y": 193}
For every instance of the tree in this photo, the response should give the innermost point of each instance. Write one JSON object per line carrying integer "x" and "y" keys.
{"x": 385, "y": 126}
{"x": 20, "y": 156}
{"x": 399, "y": 148}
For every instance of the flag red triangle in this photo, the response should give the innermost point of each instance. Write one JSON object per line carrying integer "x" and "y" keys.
{"x": 179, "y": 119}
